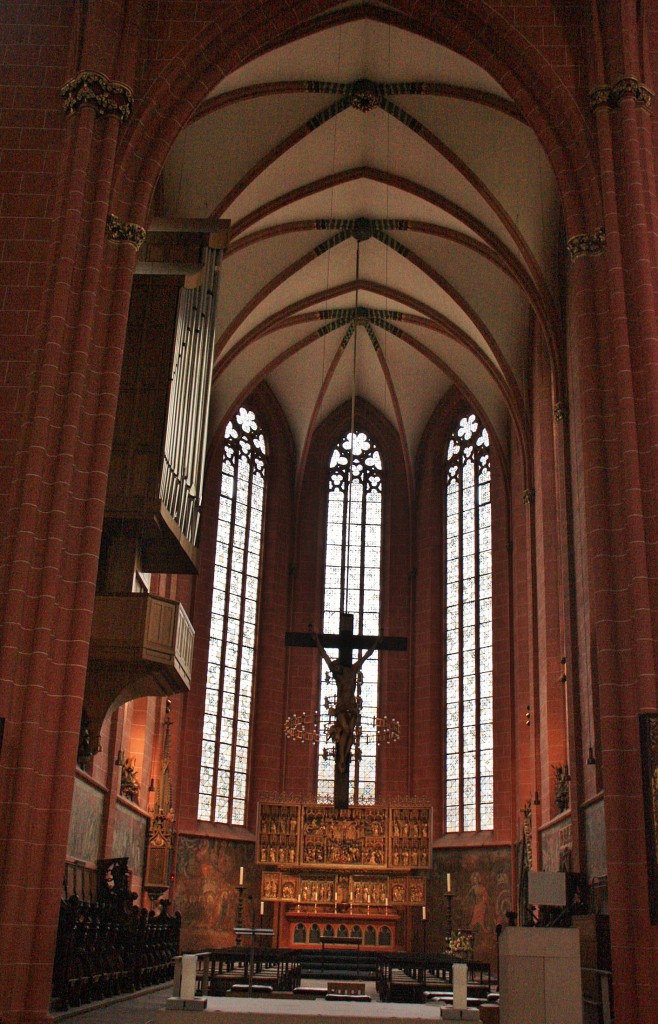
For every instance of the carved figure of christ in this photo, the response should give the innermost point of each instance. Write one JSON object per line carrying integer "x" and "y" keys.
{"x": 344, "y": 671}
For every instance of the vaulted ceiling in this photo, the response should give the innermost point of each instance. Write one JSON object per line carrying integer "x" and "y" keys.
{"x": 394, "y": 227}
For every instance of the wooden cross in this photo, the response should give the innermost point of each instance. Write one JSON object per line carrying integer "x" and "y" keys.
{"x": 345, "y": 675}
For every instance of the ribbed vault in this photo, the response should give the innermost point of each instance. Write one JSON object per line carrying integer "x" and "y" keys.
{"x": 384, "y": 192}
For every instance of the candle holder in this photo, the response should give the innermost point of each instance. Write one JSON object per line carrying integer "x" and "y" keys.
{"x": 449, "y": 896}
{"x": 238, "y": 915}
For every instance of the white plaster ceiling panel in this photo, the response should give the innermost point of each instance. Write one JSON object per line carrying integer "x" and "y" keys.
{"x": 504, "y": 153}
{"x": 215, "y": 151}
{"x": 370, "y": 295}
{"x": 247, "y": 365}
{"x": 419, "y": 384}
{"x": 361, "y": 49}
{"x": 418, "y": 285}
{"x": 428, "y": 341}
{"x": 249, "y": 270}
{"x": 364, "y": 197}
{"x": 350, "y": 139}
{"x": 340, "y": 387}
{"x": 491, "y": 295}
{"x": 332, "y": 268}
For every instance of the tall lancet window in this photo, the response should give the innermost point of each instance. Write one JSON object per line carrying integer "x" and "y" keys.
{"x": 226, "y": 724}
{"x": 352, "y": 583}
{"x": 469, "y": 677}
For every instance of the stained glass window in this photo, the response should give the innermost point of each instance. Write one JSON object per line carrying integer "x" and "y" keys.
{"x": 226, "y": 723}
{"x": 352, "y": 573}
{"x": 469, "y": 687}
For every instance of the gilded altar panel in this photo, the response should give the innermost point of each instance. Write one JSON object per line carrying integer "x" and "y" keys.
{"x": 411, "y": 830}
{"x": 356, "y": 890}
{"x": 278, "y": 834}
{"x": 350, "y": 836}
{"x": 320, "y": 836}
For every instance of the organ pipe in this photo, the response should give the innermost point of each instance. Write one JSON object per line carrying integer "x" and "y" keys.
{"x": 188, "y": 410}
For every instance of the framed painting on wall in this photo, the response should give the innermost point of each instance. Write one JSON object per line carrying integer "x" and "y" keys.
{"x": 649, "y": 756}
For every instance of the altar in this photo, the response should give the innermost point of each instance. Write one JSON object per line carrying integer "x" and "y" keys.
{"x": 313, "y": 927}
{"x": 342, "y": 873}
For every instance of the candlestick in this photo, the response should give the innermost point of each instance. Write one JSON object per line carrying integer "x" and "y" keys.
{"x": 238, "y": 915}
{"x": 449, "y": 897}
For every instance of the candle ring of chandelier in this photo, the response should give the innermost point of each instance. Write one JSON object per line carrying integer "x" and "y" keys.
{"x": 306, "y": 727}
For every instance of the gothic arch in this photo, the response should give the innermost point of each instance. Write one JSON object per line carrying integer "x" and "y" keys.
{"x": 474, "y": 30}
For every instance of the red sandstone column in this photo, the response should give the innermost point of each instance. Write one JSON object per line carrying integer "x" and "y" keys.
{"x": 609, "y": 484}
{"x": 54, "y": 531}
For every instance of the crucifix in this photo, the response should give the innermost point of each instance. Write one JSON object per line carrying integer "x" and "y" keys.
{"x": 345, "y": 672}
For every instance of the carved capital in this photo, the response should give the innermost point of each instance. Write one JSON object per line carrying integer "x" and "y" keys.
{"x": 611, "y": 95}
{"x": 134, "y": 234}
{"x": 641, "y": 93}
{"x": 599, "y": 97}
{"x": 586, "y": 245}
{"x": 91, "y": 88}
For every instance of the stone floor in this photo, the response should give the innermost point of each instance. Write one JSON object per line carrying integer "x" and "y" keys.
{"x": 141, "y": 1009}
{"x": 133, "y": 1009}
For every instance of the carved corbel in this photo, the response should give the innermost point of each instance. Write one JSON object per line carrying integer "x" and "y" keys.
{"x": 611, "y": 95}
{"x": 586, "y": 245}
{"x": 93, "y": 89}
{"x": 117, "y": 231}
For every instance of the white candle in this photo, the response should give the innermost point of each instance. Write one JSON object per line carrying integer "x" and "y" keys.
{"x": 241, "y": 882}
{"x": 386, "y": 901}
{"x": 448, "y": 878}
{"x": 424, "y": 913}
{"x": 262, "y": 908}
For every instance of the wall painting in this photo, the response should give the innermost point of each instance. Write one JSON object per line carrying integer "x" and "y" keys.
{"x": 85, "y": 826}
{"x": 207, "y": 874}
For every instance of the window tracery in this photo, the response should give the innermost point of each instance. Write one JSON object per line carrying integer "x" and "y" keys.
{"x": 468, "y": 618}
{"x": 352, "y": 583}
{"x": 229, "y": 685}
